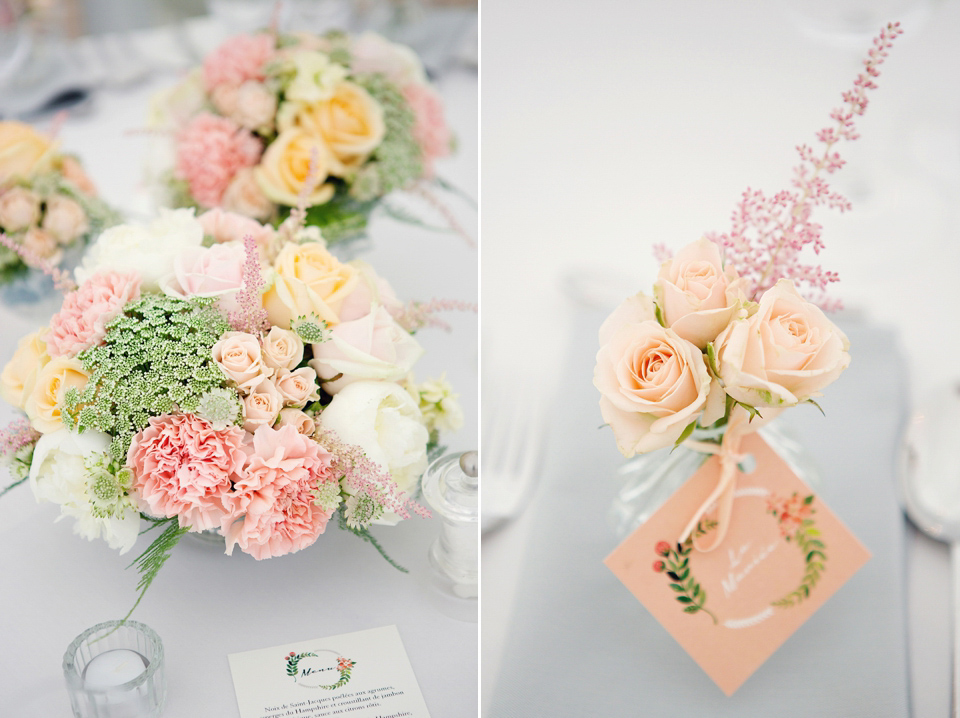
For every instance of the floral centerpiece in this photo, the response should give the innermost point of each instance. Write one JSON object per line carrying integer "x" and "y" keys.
{"x": 210, "y": 374}
{"x": 48, "y": 205}
{"x": 339, "y": 120}
{"x": 733, "y": 333}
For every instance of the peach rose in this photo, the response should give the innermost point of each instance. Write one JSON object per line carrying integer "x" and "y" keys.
{"x": 255, "y": 107}
{"x": 23, "y": 151}
{"x": 297, "y": 387}
{"x": 696, "y": 295}
{"x": 19, "y": 209}
{"x": 261, "y": 406}
{"x": 73, "y": 172}
{"x": 244, "y": 196}
{"x": 65, "y": 219}
{"x": 350, "y": 122}
{"x": 19, "y": 376}
{"x": 653, "y": 384}
{"x": 42, "y": 244}
{"x": 285, "y": 165}
{"x": 303, "y": 423}
{"x": 371, "y": 291}
{"x": 53, "y": 381}
{"x": 782, "y": 355}
{"x": 282, "y": 348}
{"x": 309, "y": 280}
{"x": 238, "y": 356}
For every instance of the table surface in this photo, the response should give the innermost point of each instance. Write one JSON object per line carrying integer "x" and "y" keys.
{"x": 205, "y": 605}
{"x": 610, "y": 126}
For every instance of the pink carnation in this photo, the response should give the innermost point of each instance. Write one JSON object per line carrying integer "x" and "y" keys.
{"x": 82, "y": 321}
{"x": 273, "y": 510}
{"x": 231, "y": 227}
{"x": 237, "y": 60}
{"x": 184, "y": 467}
{"x": 210, "y": 151}
{"x": 430, "y": 129}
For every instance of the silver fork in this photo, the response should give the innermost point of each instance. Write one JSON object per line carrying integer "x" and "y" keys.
{"x": 512, "y": 440}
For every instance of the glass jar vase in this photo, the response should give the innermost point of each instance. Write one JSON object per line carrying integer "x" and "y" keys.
{"x": 648, "y": 480}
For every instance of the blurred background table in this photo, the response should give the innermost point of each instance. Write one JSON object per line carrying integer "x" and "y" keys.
{"x": 205, "y": 605}
{"x": 611, "y": 126}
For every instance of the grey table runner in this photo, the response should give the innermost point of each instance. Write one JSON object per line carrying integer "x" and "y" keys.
{"x": 580, "y": 645}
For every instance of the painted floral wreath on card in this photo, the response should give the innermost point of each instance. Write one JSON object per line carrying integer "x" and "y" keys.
{"x": 344, "y": 666}
{"x": 794, "y": 516}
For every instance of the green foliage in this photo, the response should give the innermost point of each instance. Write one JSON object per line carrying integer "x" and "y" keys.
{"x": 343, "y": 217}
{"x": 13, "y": 485}
{"x": 397, "y": 161}
{"x": 689, "y": 593}
{"x": 156, "y": 358}
{"x": 368, "y": 537}
{"x": 807, "y": 539}
{"x": 151, "y": 561}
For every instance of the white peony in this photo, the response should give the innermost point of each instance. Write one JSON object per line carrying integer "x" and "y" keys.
{"x": 149, "y": 251}
{"x": 383, "y": 420}
{"x": 59, "y": 474}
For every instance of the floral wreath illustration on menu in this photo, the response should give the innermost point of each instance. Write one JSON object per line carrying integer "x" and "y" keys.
{"x": 295, "y": 671}
{"x": 794, "y": 516}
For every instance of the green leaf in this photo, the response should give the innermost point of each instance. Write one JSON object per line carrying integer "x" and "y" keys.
{"x": 684, "y": 599}
{"x": 696, "y": 590}
{"x": 658, "y": 313}
{"x": 683, "y": 576}
{"x": 152, "y": 559}
{"x": 677, "y": 587}
{"x": 808, "y": 500}
{"x": 816, "y": 552}
{"x": 813, "y": 532}
{"x": 815, "y": 542}
{"x": 712, "y": 360}
{"x": 691, "y": 609}
{"x": 14, "y": 485}
{"x": 368, "y": 537}
{"x": 684, "y": 564}
{"x": 685, "y": 434}
{"x": 811, "y": 401}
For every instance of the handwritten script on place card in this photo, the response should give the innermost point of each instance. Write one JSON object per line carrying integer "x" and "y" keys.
{"x": 363, "y": 674}
{"x": 784, "y": 555}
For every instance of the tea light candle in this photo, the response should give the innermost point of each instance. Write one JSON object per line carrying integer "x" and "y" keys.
{"x": 113, "y": 668}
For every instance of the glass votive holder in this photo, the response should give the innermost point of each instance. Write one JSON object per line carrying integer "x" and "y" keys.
{"x": 115, "y": 670}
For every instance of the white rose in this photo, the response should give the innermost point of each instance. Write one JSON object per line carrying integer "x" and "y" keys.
{"x": 372, "y": 347}
{"x": 148, "y": 251}
{"x": 370, "y": 52}
{"x": 383, "y": 420}
{"x": 58, "y": 474}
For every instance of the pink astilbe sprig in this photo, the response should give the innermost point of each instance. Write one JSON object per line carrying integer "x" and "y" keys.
{"x": 367, "y": 477}
{"x": 421, "y": 189}
{"x": 16, "y": 435}
{"x": 61, "y": 279}
{"x": 418, "y": 315}
{"x": 768, "y": 233}
{"x": 250, "y": 316}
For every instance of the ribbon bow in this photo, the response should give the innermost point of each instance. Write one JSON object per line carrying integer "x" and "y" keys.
{"x": 730, "y": 457}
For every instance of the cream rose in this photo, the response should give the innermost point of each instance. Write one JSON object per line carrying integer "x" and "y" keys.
{"x": 308, "y": 280}
{"x": 282, "y": 348}
{"x": 371, "y": 291}
{"x": 351, "y": 124}
{"x": 23, "y": 151}
{"x": 696, "y": 295}
{"x": 383, "y": 420}
{"x": 73, "y": 172}
{"x": 373, "y": 347}
{"x": 652, "y": 383}
{"x": 19, "y": 209}
{"x": 238, "y": 356}
{"x": 783, "y": 354}
{"x": 285, "y": 167}
{"x": 65, "y": 219}
{"x": 19, "y": 376}
{"x": 244, "y": 196}
{"x": 297, "y": 387}
{"x": 303, "y": 423}
{"x": 53, "y": 381}
{"x": 261, "y": 406}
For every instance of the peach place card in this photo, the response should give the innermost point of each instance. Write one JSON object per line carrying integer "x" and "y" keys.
{"x": 365, "y": 674}
{"x": 784, "y": 555}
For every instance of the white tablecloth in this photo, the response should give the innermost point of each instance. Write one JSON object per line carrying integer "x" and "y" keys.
{"x": 205, "y": 605}
{"x": 609, "y": 126}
